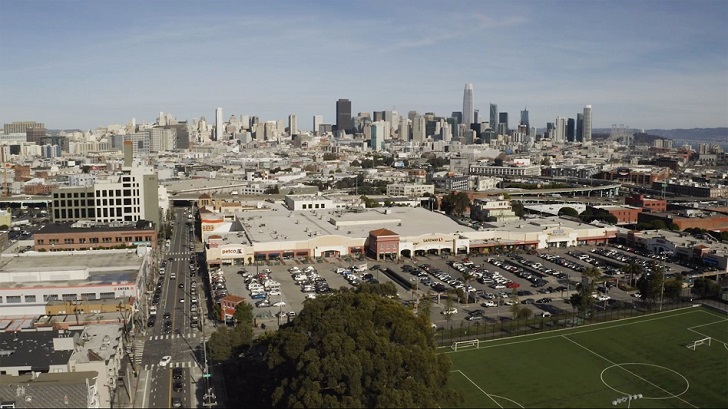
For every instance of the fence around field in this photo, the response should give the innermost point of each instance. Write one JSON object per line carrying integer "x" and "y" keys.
{"x": 464, "y": 330}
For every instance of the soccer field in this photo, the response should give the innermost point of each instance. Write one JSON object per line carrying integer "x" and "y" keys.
{"x": 646, "y": 358}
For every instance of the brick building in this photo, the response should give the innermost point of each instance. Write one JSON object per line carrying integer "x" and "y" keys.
{"x": 650, "y": 205}
{"x": 636, "y": 176}
{"x": 85, "y": 236}
{"x": 624, "y": 214}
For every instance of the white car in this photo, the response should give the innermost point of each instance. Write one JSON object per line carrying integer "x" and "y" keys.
{"x": 274, "y": 292}
{"x": 165, "y": 360}
{"x": 279, "y": 304}
{"x": 636, "y": 295}
{"x": 311, "y": 296}
{"x": 449, "y": 311}
{"x": 488, "y": 303}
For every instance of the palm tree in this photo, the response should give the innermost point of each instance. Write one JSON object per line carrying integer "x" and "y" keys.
{"x": 467, "y": 278}
{"x": 633, "y": 269}
{"x": 592, "y": 273}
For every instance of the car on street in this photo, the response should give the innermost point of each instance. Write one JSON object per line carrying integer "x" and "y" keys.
{"x": 166, "y": 315}
{"x": 181, "y": 285}
{"x": 176, "y": 402}
{"x": 165, "y": 360}
{"x": 177, "y": 373}
{"x": 182, "y": 300}
{"x": 177, "y": 386}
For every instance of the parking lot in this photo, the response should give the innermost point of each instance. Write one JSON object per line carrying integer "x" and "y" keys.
{"x": 541, "y": 282}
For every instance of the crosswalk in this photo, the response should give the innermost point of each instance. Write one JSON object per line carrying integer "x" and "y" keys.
{"x": 172, "y": 336}
{"x": 138, "y": 351}
{"x": 179, "y": 253}
{"x": 184, "y": 364}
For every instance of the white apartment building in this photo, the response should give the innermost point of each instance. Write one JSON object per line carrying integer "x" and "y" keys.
{"x": 492, "y": 210}
{"x": 409, "y": 189}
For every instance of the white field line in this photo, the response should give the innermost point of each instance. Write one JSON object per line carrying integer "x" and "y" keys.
{"x": 628, "y": 371}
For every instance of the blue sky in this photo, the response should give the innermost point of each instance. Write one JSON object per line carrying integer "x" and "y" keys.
{"x": 84, "y": 64}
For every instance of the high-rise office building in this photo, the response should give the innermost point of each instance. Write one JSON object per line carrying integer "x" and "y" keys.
{"x": 494, "y": 116}
{"x": 419, "y": 129}
{"x": 318, "y": 120}
{"x": 579, "y": 127}
{"x": 476, "y": 116}
{"x": 503, "y": 123}
{"x": 21, "y": 127}
{"x": 458, "y": 116}
{"x": 403, "y": 128}
{"x": 219, "y": 127}
{"x": 570, "y": 130}
{"x": 34, "y": 134}
{"x": 560, "y": 129}
{"x": 292, "y": 124}
{"x": 587, "y": 133}
{"x": 524, "y": 118}
{"x": 344, "y": 121}
{"x": 468, "y": 105}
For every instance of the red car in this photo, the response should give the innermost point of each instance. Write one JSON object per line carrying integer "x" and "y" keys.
{"x": 512, "y": 284}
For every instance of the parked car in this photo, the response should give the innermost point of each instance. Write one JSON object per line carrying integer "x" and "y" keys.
{"x": 449, "y": 311}
{"x": 475, "y": 318}
{"x": 263, "y": 303}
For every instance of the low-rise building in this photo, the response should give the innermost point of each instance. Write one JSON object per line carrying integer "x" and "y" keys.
{"x": 647, "y": 204}
{"x": 87, "y": 235}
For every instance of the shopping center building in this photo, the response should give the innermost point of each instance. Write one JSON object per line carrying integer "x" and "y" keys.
{"x": 274, "y": 230}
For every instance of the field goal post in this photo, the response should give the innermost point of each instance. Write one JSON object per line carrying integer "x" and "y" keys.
{"x": 693, "y": 345}
{"x": 465, "y": 344}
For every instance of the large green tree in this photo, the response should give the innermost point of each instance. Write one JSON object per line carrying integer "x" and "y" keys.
{"x": 358, "y": 349}
{"x": 455, "y": 203}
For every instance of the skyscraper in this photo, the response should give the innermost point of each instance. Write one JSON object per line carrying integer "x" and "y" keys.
{"x": 570, "y": 130}
{"x": 524, "y": 118}
{"x": 560, "y": 130}
{"x": 419, "y": 129}
{"x": 579, "y": 127}
{"x": 503, "y": 123}
{"x": 494, "y": 116}
{"x": 292, "y": 124}
{"x": 218, "y": 124}
{"x": 344, "y": 121}
{"x": 317, "y": 121}
{"x": 468, "y": 105}
{"x": 587, "y": 123}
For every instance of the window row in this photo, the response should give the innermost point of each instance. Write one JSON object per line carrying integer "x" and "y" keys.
{"x": 84, "y": 240}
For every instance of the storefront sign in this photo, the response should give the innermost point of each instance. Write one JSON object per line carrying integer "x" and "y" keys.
{"x": 231, "y": 251}
{"x": 436, "y": 239}
{"x": 557, "y": 232}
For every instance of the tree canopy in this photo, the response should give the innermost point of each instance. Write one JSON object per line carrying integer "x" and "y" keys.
{"x": 455, "y": 203}
{"x": 358, "y": 349}
{"x": 568, "y": 211}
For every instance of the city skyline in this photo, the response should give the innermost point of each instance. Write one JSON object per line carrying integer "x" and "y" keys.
{"x": 84, "y": 65}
